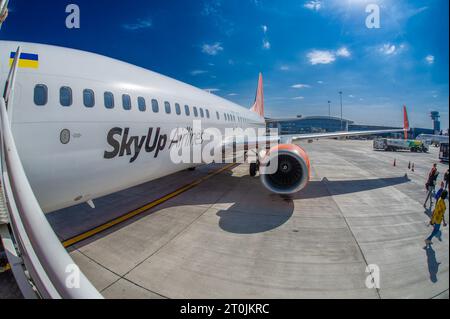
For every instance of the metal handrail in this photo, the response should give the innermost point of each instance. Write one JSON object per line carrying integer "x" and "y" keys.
{"x": 49, "y": 265}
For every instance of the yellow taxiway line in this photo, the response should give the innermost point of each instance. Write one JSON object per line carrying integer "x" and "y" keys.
{"x": 127, "y": 216}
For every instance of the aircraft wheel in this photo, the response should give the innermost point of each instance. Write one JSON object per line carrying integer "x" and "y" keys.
{"x": 253, "y": 169}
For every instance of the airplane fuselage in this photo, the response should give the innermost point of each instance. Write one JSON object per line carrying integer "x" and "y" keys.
{"x": 86, "y": 125}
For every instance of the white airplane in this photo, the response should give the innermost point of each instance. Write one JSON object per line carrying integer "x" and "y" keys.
{"x": 87, "y": 126}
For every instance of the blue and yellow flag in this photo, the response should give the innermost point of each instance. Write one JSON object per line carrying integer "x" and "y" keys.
{"x": 27, "y": 60}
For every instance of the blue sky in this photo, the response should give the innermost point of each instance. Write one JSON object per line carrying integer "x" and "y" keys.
{"x": 307, "y": 50}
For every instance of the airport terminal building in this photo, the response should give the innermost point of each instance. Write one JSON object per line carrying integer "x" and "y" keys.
{"x": 324, "y": 124}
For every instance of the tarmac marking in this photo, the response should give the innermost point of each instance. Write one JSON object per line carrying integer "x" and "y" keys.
{"x": 74, "y": 240}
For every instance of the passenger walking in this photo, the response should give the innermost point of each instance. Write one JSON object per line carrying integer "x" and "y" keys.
{"x": 446, "y": 178}
{"x": 439, "y": 192}
{"x": 430, "y": 185}
{"x": 438, "y": 217}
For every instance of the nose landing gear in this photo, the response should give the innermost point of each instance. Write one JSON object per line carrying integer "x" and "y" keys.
{"x": 254, "y": 168}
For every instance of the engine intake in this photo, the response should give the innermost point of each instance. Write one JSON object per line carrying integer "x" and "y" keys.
{"x": 292, "y": 171}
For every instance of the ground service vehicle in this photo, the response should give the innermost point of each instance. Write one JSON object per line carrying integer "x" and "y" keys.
{"x": 394, "y": 145}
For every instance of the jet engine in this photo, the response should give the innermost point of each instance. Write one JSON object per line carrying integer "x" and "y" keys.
{"x": 292, "y": 170}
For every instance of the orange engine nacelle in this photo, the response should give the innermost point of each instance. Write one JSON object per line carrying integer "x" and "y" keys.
{"x": 285, "y": 169}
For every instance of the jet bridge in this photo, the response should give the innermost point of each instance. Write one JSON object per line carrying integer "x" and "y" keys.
{"x": 41, "y": 265}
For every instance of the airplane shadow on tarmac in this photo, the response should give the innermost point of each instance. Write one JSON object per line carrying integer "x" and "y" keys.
{"x": 254, "y": 209}
{"x": 262, "y": 217}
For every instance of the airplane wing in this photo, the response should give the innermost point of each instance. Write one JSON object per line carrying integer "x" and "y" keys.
{"x": 250, "y": 142}
{"x": 317, "y": 136}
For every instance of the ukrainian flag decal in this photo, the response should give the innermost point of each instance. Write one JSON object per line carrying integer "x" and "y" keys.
{"x": 27, "y": 60}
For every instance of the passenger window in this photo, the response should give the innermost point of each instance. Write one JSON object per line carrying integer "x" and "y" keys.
{"x": 195, "y": 112}
{"x": 155, "y": 106}
{"x": 218, "y": 115}
{"x": 186, "y": 110}
{"x": 88, "y": 98}
{"x": 40, "y": 94}
{"x": 141, "y": 104}
{"x": 167, "y": 107}
{"x": 177, "y": 109}
{"x": 201, "y": 113}
{"x": 109, "y": 100}
{"x": 126, "y": 102}
{"x": 65, "y": 96}
{"x": 207, "y": 113}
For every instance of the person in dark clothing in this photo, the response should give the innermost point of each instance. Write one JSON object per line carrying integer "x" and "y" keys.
{"x": 430, "y": 185}
{"x": 446, "y": 178}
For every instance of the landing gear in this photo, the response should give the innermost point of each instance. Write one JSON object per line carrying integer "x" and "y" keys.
{"x": 254, "y": 167}
{"x": 191, "y": 169}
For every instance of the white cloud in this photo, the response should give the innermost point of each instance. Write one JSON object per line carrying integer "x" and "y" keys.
{"x": 351, "y": 96}
{"x": 430, "y": 59}
{"x": 232, "y": 94}
{"x": 298, "y": 98}
{"x": 388, "y": 49}
{"x": 265, "y": 41}
{"x": 300, "y": 86}
{"x": 320, "y": 82}
{"x": 315, "y": 5}
{"x": 212, "y": 49}
{"x": 198, "y": 72}
{"x": 284, "y": 68}
{"x": 138, "y": 25}
{"x": 343, "y": 52}
{"x": 391, "y": 49}
{"x": 321, "y": 57}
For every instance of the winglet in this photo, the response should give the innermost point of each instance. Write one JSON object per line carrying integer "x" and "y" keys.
{"x": 258, "y": 107}
{"x": 405, "y": 121}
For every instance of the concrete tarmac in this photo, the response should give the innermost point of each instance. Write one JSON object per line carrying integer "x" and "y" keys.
{"x": 230, "y": 238}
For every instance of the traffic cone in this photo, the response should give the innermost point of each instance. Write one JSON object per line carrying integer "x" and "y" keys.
{"x": 395, "y": 162}
{"x": 409, "y": 165}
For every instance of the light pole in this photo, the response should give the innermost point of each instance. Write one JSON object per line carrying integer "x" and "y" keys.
{"x": 329, "y": 108}
{"x": 340, "y": 93}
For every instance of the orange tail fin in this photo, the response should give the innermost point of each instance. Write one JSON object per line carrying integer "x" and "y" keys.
{"x": 405, "y": 121}
{"x": 258, "y": 107}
